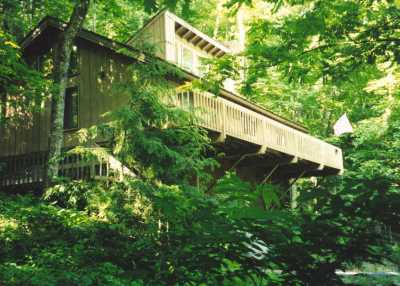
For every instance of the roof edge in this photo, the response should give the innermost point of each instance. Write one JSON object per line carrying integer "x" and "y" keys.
{"x": 182, "y": 22}
{"x": 110, "y": 44}
{"x": 148, "y": 22}
{"x": 215, "y": 42}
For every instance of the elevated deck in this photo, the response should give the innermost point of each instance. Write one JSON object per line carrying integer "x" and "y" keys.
{"x": 229, "y": 119}
{"x": 273, "y": 143}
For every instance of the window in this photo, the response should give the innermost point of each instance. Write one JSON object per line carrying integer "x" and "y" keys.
{"x": 44, "y": 63}
{"x": 38, "y": 63}
{"x": 187, "y": 58}
{"x": 71, "y": 93}
{"x": 74, "y": 62}
{"x": 71, "y": 108}
{"x": 3, "y": 105}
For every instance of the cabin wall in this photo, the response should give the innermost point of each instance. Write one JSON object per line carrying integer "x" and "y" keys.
{"x": 30, "y": 132}
{"x": 170, "y": 38}
{"x": 154, "y": 34}
{"x": 99, "y": 71}
{"x": 28, "y": 135}
{"x": 160, "y": 32}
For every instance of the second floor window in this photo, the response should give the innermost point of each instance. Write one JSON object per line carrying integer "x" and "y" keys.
{"x": 3, "y": 106}
{"x": 44, "y": 63}
{"x": 71, "y": 108}
{"x": 74, "y": 62}
{"x": 187, "y": 58}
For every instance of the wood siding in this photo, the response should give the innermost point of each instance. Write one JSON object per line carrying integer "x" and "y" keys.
{"x": 162, "y": 34}
{"x": 99, "y": 69}
{"x": 154, "y": 34}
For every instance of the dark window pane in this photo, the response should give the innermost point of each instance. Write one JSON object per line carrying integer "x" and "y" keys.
{"x": 43, "y": 63}
{"x": 71, "y": 108}
{"x": 74, "y": 62}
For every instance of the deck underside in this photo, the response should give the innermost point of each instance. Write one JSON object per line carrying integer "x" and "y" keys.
{"x": 247, "y": 159}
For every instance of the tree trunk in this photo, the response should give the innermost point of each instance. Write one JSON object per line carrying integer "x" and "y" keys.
{"x": 61, "y": 66}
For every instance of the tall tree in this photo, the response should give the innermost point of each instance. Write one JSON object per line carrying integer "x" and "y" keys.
{"x": 61, "y": 66}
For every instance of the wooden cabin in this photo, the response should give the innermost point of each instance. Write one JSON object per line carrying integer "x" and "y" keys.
{"x": 258, "y": 143}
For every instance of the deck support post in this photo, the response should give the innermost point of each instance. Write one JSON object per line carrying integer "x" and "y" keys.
{"x": 221, "y": 138}
{"x": 262, "y": 150}
{"x": 270, "y": 174}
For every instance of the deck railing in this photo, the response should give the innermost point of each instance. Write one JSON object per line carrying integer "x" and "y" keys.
{"x": 215, "y": 113}
{"x": 231, "y": 119}
{"x": 29, "y": 169}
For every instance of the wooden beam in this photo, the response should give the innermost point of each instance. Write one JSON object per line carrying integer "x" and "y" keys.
{"x": 201, "y": 43}
{"x": 201, "y": 34}
{"x": 209, "y": 49}
{"x": 260, "y": 160}
{"x": 186, "y": 34}
{"x": 195, "y": 40}
{"x": 206, "y": 47}
{"x": 213, "y": 50}
{"x": 220, "y": 53}
{"x": 221, "y": 138}
{"x": 191, "y": 37}
{"x": 179, "y": 30}
{"x": 270, "y": 174}
{"x": 263, "y": 149}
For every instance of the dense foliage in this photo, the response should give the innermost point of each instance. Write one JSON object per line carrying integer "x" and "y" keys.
{"x": 127, "y": 233}
{"x": 170, "y": 225}
{"x": 16, "y": 78}
{"x": 156, "y": 136}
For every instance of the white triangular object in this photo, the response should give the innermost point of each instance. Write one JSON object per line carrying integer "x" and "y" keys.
{"x": 342, "y": 126}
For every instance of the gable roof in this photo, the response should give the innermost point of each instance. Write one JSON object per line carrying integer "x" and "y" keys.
{"x": 50, "y": 26}
{"x": 186, "y": 31}
{"x": 53, "y": 26}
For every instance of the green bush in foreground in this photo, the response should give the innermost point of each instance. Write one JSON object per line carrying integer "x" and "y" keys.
{"x": 117, "y": 235}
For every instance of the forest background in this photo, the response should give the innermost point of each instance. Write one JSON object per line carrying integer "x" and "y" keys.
{"x": 311, "y": 62}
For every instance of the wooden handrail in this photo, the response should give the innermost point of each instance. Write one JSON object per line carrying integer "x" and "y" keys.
{"x": 30, "y": 168}
{"x": 214, "y": 113}
{"x": 231, "y": 119}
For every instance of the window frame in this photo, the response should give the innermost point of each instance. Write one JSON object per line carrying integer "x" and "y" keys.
{"x": 192, "y": 53}
{"x": 76, "y": 127}
{"x": 75, "y": 60}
